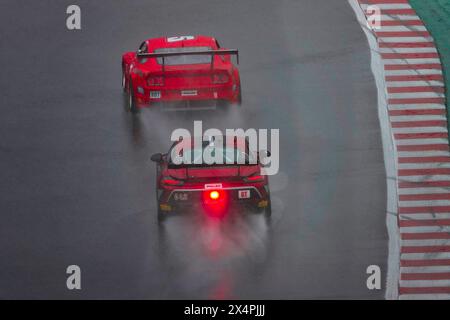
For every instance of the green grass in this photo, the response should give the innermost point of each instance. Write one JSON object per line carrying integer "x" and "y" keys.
{"x": 436, "y": 16}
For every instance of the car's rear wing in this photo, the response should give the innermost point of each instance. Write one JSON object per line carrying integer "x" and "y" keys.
{"x": 212, "y": 53}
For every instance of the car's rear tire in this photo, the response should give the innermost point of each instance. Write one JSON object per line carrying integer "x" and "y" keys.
{"x": 227, "y": 104}
{"x": 131, "y": 101}
{"x": 124, "y": 82}
{"x": 161, "y": 216}
{"x": 239, "y": 99}
{"x": 268, "y": 209}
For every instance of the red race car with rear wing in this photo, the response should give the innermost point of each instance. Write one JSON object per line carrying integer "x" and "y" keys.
{"x": 180, "y": 69}
{"x": 183, "y": 182}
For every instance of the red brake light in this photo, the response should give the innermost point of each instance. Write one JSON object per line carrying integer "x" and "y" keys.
{"x": 214, "y": 195}
{"x": 215, "y": 202}
{"x": 171, "y": 182}
{"x": 219, "y": 78}
{"x": 155, "y": 81}
{"x": 256, "y": 178}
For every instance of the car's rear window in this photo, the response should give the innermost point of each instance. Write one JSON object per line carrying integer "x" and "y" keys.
{"x": 194, "y": 157}
{"x": 180, "y": 60}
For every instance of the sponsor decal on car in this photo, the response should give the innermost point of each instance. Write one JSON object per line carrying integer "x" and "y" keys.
{"x": 180, "y": 196}
{"x": 155, "y": 94}
{"x": 188, "y": 93}
{"x": 244, "y": 194}
{"x": 180, "y": 38}
{"x": 213, "y": 186}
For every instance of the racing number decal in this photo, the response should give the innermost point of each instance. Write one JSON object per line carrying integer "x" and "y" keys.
{"x": 181, "y": 38}
{"x": 179, "y": 196}
{"x": 244, "y": 194}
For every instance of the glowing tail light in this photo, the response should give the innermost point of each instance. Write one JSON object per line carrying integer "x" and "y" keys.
{"x": 214, "y": 195}
{"x": 215, "y": 202}
{"x": 220, "y": 78}
{"x": 171, "y": 182}
{"x": 256, "y": 178}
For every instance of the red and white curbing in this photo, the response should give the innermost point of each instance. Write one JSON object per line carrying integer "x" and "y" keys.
{"x": 412, "y": 113}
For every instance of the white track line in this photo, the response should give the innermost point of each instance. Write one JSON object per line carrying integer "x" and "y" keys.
{"x": 413, "y": 72}
{"x": 407, "y": 50}
{"x": 402, "y": 154}
{"x": 405, "y": 39}
{"x": 401, "y": 28}
{"x": 427, "y": 269}
{"x": 418, "y": 118}
{"x": 400, "y": 84}
{"x": 416, "y": 106}
{"x": 424, "y": 216}
{"x": 430, "y": 190}
{"x": 421, "y": 256}
{"x": 419, "y": 130}
{"x": 426, "y": 242}
{"x": 407, "y": 95}
{"x": 442, "y": 177}
{"x": 396, "y": 17}
{"x": 412, "y": 61}
{"x": 425, "y": 229}
{"x": 425, "y": 283}
{"x": 388, "y": 6}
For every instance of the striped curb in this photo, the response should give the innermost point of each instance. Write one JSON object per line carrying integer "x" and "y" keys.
{"x": 412, "y": 89}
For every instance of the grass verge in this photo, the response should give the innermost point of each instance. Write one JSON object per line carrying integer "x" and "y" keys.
{"x": 436, "y": 16}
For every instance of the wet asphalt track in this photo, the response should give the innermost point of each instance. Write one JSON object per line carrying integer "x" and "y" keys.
{"x": 77, "y": 186}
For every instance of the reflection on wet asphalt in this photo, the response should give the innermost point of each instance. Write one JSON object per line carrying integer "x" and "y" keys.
{"x": 210, "y": 248}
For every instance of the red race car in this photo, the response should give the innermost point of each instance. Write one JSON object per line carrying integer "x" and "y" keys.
{"x": 237, "y": 180}
{"x": 185, "y": 69}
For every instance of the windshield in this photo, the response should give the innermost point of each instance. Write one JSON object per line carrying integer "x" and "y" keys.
{"x": 179, "y": 60}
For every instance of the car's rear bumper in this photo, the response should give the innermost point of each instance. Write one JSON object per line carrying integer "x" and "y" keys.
{"x": 176, "y": 199}
{"x": 146, "y": 96}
